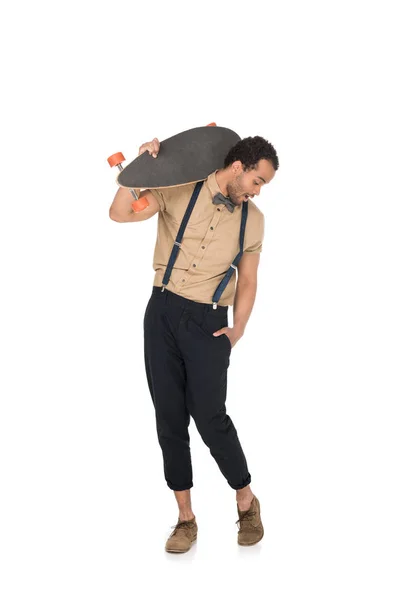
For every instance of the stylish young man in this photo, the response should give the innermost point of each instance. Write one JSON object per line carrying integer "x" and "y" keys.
{"x": 187, "y": 341}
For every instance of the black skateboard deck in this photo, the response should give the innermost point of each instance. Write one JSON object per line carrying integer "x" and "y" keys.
{"x": 184, "y": 158}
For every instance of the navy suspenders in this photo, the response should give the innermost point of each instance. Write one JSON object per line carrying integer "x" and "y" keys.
{"x": 220, "y": 289}
{"x": 178, "y": 242}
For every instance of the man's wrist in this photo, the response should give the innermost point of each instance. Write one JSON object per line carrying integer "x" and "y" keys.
{"x": 239, "y": 328}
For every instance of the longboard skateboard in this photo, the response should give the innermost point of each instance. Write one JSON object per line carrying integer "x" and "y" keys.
{"x": 184, "y": 158}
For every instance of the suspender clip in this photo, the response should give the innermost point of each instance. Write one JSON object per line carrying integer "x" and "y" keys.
{"x": 163, "y": 288}
{"x": 178, "y": 244}
{"x": 233, "y": 266}
{"x": 214, "y": 305}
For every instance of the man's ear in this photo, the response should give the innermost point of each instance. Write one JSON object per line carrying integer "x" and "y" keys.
{"x": 237, "y": 167}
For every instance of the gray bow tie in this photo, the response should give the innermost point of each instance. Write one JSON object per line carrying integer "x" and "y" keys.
{"x": 221, "y": 199}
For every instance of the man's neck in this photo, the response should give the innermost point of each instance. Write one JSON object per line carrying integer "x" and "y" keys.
{"x": 221, "y": 177}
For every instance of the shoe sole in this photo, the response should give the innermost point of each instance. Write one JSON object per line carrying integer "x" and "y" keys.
{"x": 182, "y": 551}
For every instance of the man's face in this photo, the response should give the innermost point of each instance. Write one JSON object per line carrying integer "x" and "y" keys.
{"x": 247, "y": 184}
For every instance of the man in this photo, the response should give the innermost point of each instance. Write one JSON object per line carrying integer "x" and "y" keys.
{"x": 186, "y": 335}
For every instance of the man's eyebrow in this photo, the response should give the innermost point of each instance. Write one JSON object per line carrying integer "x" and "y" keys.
{"x": 261, "y": 178}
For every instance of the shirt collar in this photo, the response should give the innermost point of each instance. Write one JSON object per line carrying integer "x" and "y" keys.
{"x": 214, "y": 188}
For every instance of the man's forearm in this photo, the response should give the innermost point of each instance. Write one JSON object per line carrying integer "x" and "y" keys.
{"x": 121, "y": 208}
{"x": 243, "y": 304}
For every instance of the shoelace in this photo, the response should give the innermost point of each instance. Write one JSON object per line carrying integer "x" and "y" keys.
{"x": 182, "y": 525}
{"x": 246, "y": 517}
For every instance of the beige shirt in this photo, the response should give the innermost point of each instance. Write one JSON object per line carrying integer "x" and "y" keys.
{"x": 210, "y": 241}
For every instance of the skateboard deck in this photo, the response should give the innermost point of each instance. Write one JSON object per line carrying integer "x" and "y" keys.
{"x": 184, "y": 158}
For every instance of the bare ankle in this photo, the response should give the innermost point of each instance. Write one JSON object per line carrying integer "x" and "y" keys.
{"x": 244, "y": 498}
{"x": 184, "y": 505}
{"x": 186, "y": 516}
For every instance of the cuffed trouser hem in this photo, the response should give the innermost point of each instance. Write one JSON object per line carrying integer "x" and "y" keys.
{"x": 176, "y": 488}
{"x": 242, "y": 485}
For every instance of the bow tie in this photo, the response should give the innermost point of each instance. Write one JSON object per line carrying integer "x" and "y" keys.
{"x": 221, "y": 199}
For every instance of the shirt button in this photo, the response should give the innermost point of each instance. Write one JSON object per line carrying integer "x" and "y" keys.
{"x": 194, "y": 265}
{"x": 203, "y": 247}
{"x": 218, "y": 209}
{"x": 183, "y": 280}
{"x": 211, "y": 228}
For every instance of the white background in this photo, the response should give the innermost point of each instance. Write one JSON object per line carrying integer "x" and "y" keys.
{"x": 313, "y": 384}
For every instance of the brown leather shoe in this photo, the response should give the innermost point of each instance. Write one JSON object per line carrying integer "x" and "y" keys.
{"x": 183, "y": 536}
{"x": 251, "y": 529}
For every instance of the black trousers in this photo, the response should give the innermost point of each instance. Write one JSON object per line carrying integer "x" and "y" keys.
{"x": 186, "y": 368}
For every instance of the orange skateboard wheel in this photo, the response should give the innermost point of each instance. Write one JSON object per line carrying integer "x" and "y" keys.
{"x": 140, "y": 204}
{"x": 212, "y": 125}
{"x": 115, "y": 159}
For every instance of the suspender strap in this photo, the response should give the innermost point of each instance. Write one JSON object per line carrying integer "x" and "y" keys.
{"x": 220, "y": 289}
{"x": 179, "y": 237}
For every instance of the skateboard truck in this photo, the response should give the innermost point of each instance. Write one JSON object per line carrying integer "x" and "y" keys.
{"x": 138, "y": 204}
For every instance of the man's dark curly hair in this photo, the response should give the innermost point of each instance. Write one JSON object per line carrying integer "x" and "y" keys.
{"x": 250, "y": 150}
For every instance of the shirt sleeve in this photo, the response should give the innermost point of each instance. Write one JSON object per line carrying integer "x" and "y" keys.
{"x": 256, "y": 246}
{"x": 159, "y": 195}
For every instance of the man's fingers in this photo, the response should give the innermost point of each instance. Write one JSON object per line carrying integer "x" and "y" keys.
{"x": 152, "y": 148}
{"x": 155, "y": 147}
{"x": 219, "y": 332}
